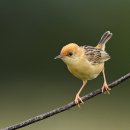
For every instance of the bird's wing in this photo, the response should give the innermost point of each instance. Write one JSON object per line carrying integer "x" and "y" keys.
{"x": 95, "y": 55}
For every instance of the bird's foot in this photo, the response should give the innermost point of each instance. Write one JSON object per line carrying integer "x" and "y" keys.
{"x": 105, "y": 88}
{"x": 78, "y": 100}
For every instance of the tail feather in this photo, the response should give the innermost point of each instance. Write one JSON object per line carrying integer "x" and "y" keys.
{"x": 104, "y": 39}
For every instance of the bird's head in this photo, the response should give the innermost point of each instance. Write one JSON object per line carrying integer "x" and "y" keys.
{"x": 70, "y": 53}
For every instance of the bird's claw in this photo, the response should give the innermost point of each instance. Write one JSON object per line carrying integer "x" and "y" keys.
{"x": 78, "y": 100}
{"x": 105, "y": 88}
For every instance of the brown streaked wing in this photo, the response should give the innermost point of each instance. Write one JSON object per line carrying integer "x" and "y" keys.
{"x": 95, "y": 55}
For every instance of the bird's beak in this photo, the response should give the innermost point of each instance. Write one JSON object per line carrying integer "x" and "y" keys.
{"x": 58, "y": 57}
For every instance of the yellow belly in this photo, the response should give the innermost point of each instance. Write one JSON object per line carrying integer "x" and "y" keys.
{"x": 85, "y": 71}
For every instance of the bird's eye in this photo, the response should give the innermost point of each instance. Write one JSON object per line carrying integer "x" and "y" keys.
{"x": 70, "y": 54}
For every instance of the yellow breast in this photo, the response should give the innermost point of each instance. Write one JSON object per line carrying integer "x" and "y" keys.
{"x": 84, "y": 70}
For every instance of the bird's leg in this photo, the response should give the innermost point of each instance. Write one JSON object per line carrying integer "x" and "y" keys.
{"x": 105, "y": 87}
{"x": 78, "y": 98}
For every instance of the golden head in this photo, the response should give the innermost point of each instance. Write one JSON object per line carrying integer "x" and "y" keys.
{"x": 69, "y": 49}
{"x": 69, "y": 53}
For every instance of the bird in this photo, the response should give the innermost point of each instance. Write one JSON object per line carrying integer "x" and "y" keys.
{"x": 86, "y": 62}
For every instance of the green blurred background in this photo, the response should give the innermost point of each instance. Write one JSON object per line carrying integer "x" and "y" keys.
{"x": 32, "y": 82}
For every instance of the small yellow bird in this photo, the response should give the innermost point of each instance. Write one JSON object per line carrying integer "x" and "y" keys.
{"x": 86, "y": 62}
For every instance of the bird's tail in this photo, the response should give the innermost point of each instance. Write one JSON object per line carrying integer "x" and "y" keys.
{"x": 104, "y": 39}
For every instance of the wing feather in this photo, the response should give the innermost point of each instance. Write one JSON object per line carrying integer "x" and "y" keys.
{"x": 96, "y": 55}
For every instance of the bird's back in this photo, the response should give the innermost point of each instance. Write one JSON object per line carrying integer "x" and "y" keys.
{"x": 95, "y": 55}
